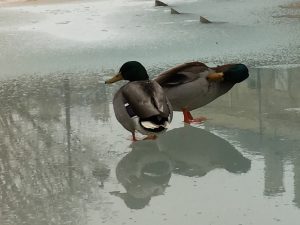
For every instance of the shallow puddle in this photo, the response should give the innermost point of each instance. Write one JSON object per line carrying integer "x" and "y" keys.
{"x": 64, "y": 159}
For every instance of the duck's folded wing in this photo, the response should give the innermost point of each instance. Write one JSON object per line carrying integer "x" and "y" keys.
{"x": 146, "y": 98}
{"x": 181, "y": 74}
{"x": 178, "y": 79}
{"x": 222, "y": 68}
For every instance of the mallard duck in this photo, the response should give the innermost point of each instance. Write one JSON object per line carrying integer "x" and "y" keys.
{"x": 141, "y": 104}
{"x": 192, "y": 85}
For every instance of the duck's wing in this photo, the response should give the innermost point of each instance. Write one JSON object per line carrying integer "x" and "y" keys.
{"x": 181, "y": 74}
{"x": 147, "y": 99}
{"x": 222, "y": 68}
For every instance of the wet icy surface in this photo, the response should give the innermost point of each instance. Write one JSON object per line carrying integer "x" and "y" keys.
{"x": 64, "y": 159}
{"x": 79, "y": 36}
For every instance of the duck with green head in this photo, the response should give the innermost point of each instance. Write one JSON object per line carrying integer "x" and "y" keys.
{"x": 192, "y": 85}
{"x": 141, "y": 104}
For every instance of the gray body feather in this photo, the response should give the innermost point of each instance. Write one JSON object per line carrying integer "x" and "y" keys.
{"x": 189, "y": 88}
{"x": 146, "y": 98}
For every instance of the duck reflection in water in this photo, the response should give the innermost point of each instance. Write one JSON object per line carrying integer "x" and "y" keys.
{"x": 195, "y": 152}
{"x": 144, "y": 172}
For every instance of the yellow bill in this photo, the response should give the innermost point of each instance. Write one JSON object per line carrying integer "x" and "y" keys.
{"x": 114, "y": 79}
{"x": 215, "y": 77}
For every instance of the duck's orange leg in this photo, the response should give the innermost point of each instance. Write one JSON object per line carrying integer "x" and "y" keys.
{"x": 188, "y": 118}
{"x": 133, "y": 137}
{"x": 149, "y": 137}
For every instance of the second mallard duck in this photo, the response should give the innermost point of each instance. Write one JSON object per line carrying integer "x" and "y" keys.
{"x": 192, "y": 85}
{"x": 141, "y": 104}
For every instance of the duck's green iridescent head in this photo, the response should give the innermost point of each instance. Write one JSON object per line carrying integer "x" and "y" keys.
{"x": 132, "y": 71}
{"x": 236, "y": 74}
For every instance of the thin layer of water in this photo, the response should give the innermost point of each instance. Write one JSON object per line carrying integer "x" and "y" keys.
{"x": 64, "y": 159}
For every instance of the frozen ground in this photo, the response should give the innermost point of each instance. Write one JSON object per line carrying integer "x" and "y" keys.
{"x": 99, "y": 35}
{"x": 65, "y": 160}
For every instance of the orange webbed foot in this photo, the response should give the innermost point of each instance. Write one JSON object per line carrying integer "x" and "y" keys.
{"x": 188, "y": 118}
{"x": 150, "y": 137}
{"x": 133, "y": 138}
{"x": 196, "y": 120}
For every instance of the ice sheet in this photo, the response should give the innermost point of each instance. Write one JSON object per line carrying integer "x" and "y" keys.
{"x": 77, "y": 36}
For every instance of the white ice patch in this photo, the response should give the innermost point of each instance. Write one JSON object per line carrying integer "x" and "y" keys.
{"x": 297, "y": 110}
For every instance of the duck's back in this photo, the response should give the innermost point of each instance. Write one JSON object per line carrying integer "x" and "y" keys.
{"x": 142, "y": 99}
{"x": 189, "y": 88}
{"x": 147, "y": 98}
{"x": 195, "y": 94}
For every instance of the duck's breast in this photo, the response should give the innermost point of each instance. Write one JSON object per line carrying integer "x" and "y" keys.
{"x": 121, "y": 113}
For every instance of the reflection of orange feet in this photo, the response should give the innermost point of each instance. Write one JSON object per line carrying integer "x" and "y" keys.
{"x": 188, "y": 118}
{"x": 197, "y": 120}
{"x": 150, "y": 137}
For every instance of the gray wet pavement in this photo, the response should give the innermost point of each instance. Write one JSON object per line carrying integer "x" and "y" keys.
{"x": 64, "y": 159}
